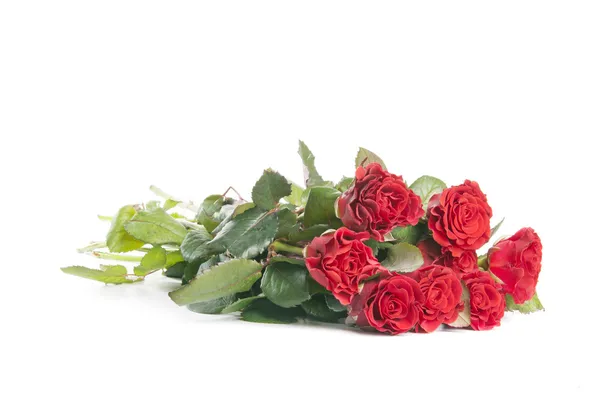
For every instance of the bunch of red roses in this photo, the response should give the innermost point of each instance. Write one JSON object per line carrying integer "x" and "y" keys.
{"x": 369, "y": 250}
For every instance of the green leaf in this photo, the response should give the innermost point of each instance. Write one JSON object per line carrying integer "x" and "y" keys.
{"x": 118, "y": 240}
{"x": 269, "y": 189}
{"x": 287, "y": 223}
{"x": 409, "y": 234}
{"x": 248, "y": 234}
{"x": 464, "y": 317}
{"x": 176, "y": 270}
{"x": 213, "y": 306}
{"x": 527, "y": 307}
{"x": 152, "y": 205}
{"x": 240, "y": 304}
{"x": 320, "y": 207}
{"x": 403, "y": 257}
{"x": 286, "y": 284}
{"x": 195, "y": 247}
{"x": 496, "y": 228}
{"x": 173, "y": 258}
{"x": 234, "y": 276}
{"x": 334, "y": 304}
{"x": 156, "y": 227}
{"x": 192, "y": 269}
{"x": 344, "y": 184}
{"x": 115, "y": 274}
{"x": 170, "y": 203}
{"x": 308, "y": 234}
{"x": 288, "y": 260}
{"x": 426, "y": 186}
{"x": 207, "y": 214}
{"x": 242, "y": 208}
{"x": 365, "y": 157}
{"x": 311, "y": 176}
{"x": 317, "y": 308}
{"x": 264, "y": 311}
{"x": 295, "y": 198}
{"x": 154, "y": 260}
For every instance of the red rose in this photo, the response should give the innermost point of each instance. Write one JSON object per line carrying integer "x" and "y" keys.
{"x": 486, "y": 301}
{"x": 442, "y": 290}
{"x": 340, "y": 261}
{"x": 378, "y": 201}
{"x": 391, "y": 305}
{"x": 517, "y": 262}
{"x": 463, "y": 264}
{"x": 430, "y": 251}
{"x": 459, "y": 218}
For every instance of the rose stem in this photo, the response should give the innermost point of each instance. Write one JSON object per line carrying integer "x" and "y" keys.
{"x": 118, "y": 257}
{"x": 278, "y": 246}
{"x": 482, "y": 262}
{"x": 92, "y": 246}
{"x": 184, "y": 205}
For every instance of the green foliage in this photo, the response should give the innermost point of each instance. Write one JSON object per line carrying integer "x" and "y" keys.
{"x": 212, "y": 306}
{"x": 286, "y": 284}
{"x": 114, "y": 274}
{"x": 527, "y": 307}
{"x": 269, "y": 190}
{"x": 496, "y": 228}
{"x": 208, "y": 214}
{"x": 365, "y": 157}
{"x": 154, "y": 260}
{"x": 308, "y": 234}
{"x": 240, "y": 304}
{"x": 195, "y": 248}
{"x": 176, "y": 270}
{"x": 264, "y": 311}
{"x": 311, "y": 176}
{"x": 234, "y": 276}
{"x": 287, "y": 223}
{"x": 344, "y": 184}
{"x": 464, "y": 317}
{"x": 426, "y": 186}
{"x": 409, "y": 234}
{"x": 318, "y": 309}
{"x": 320, "y": 207}
{"x": 156, "y": 227}
{"x": 403, "y": 257}
{"x": 118, "y": 240}
{"x": 334, "y": 304}
{"x": 295, "y": 198}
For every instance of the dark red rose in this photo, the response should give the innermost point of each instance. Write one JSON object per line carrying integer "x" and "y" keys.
{"x": 442, "y": 290}
{"x": 391, "y": 304}
{"x": 463, "y": 264}
{"x": 340, "y": 261}
{"x": 377, "y": 202}
{"x": 459, "y": 218}
{"x": 486, "y": 300}
{"x": 517, "y": 261}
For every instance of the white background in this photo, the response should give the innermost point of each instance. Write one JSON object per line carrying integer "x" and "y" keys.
{"x": 98, "y": 100}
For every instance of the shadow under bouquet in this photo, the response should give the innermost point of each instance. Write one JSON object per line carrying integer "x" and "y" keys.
{"x": 370, "y": 251}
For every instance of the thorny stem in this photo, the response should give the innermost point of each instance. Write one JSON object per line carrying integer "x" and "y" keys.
{"x": 236, "y": 192}
{"x": 92, "y": 246}
{"x": 162, "y": 194}
{"x": 278, "y": 246}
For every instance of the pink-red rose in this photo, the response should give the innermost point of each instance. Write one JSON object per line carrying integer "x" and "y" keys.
{"x": 517, "y": 261}
{"x": 442, "y": 291}
{"x": 377, "y": 202}
{"x": 459, "y": 218}
{"x": 340, "y": 261}
{"x": 486, "y": 300}
{"x": 435, "y": 254}
{"x": 390, "y": 305}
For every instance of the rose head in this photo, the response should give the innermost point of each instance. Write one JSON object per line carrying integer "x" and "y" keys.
{"x": 377, "y": 202}
{"x": 463, "y": 264}
{"x": 459, "y": 218}
{"x": 391, "y": 304}
{"x": 486, "y": 300}
{"x": 442, "y": 290}
{"x": 517, "y": 261}
{"x": 340, "y": 261}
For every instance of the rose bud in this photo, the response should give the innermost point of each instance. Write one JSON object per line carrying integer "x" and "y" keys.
{"x": 377, "y": 202}
{"x": 390, "y": 305}
{"x": 517, "y": 262}
{"x": 459, "y": 218}
{"x": 442, "y": 290}
{"x": 486, "y": 300}
{"x": 340, "y": 261}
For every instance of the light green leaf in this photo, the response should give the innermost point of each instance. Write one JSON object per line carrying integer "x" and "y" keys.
{"x": 311, "y": 176}
{"x": 317, "y": 308}
{"x": 242, "y": 208}
{"x": 240, "y": 304}
{"x": 170, "y": 203}
{"x": 320, "y": 207}
{"x": 154, "y": 260}
{"x": 234, "y": 276}
{"x": 209, "y": 209}
{"x": 118, "y": 239}
{"x": 527, "y": 307}
{"x": 195, "y": 247}
{"x": 248, "y": 234}
{"x": 115, "y": 274}
{"x": 403, "y": 257}
{"x": 496, "y": 228}
{"x": 264, "y": 311}
{"x": 365, "y": 157}
{"x": 426, "y": 186}
{"x": 285, "y": 284}
{"x": 409, "y": 234}
{"x": 344, "y": 184}
{"x": 173, "y": 258}
{"x": 288, "y": 260}
{"x": 213, "y": 306}
{"x": 464, "y": 317}
{"x": 295, "y": 198}
{"x": 269, "y": 189}
{"x": 156, "y": 227}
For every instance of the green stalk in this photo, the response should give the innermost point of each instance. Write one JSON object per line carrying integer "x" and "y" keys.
{"x": 278, "y": 246}
{"x": 116, "y": 256}
{"x": 92, "y": 246}
{"x": 482, "y": 262}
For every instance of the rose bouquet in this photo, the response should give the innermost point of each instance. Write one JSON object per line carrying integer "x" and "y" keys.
{"x": 370, "y": 251}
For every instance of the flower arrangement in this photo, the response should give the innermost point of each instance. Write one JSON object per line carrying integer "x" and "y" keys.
{"x": 371, "y": 251}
